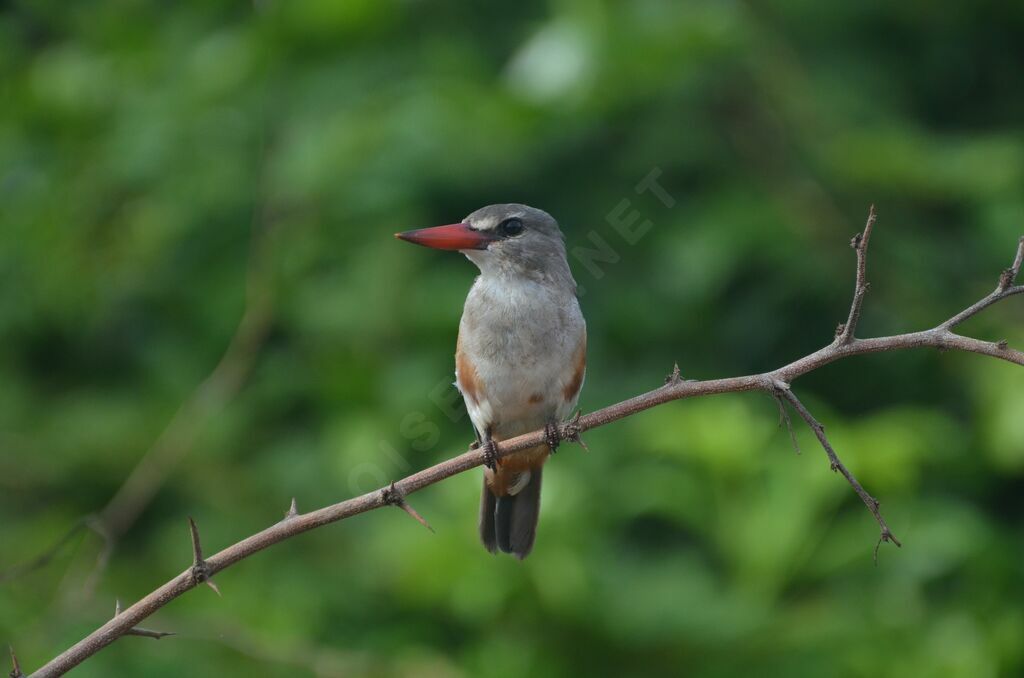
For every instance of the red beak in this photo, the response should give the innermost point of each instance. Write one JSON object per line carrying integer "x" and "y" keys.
{"x": 452, "y": 237}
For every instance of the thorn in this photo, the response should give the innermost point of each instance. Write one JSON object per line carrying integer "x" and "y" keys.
{"x": 136, "y": 631}
{"x": 200, "y": 570}
{"x": 293, "y": 510}
{"x": 675, "y": 377}
{"x": 392, "y": 496}
{"x": 15, "y": 666}
{"x": 1002, "y": 345}
{"x": 197, "y": 548}
{"x": 415, "y": 514}
{"x": 571, "y": 430}
{"x": 856, "y": 240}
{"x": 147, "y": 633}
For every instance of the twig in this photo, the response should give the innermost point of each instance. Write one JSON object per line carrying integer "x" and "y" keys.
{"x": 940, "y": 337}
{"x": 844, "y": 333}
{"x": 786, "y": 392}
{"x": 1004, "y": 288}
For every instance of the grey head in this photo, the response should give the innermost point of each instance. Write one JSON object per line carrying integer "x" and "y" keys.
{"x": 524, "y": 241}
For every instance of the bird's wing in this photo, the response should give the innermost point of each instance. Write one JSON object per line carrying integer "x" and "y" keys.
{"x": 572, "y": 382}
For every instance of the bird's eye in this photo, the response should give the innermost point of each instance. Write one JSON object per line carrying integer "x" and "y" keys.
{"x": 511, "y": 227}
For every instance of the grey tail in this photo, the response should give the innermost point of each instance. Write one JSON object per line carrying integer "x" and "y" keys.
{"x": 487, "y": 510}
{"x": 509, "y": 523}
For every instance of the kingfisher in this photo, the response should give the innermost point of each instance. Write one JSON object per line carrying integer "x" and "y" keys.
{"x": 521, "y": 355}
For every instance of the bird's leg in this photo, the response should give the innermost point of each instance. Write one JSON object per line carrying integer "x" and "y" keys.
{"x": 489, "y": 448}
{"x": 552, "y": 435}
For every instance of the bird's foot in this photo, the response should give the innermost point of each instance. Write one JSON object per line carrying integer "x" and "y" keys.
{"x": 552, "y": 435}
{"x": 490, "y": 452}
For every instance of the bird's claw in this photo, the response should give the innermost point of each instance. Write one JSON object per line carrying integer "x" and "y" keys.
{"x": 490, "y": 452}
{"x": 552, "y": 435}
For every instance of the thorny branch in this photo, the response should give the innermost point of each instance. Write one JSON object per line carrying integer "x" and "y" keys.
{"x": 775, "y": 383}
{"x": 836, "y": 464}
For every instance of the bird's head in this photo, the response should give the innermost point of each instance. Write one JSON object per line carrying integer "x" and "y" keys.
{"x": 502, "y": 239}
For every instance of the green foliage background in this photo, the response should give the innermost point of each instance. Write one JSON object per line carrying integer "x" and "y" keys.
{"x": 139, "y": 139}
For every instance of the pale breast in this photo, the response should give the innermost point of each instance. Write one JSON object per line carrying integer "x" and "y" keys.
{"x": 522, "y": 352}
